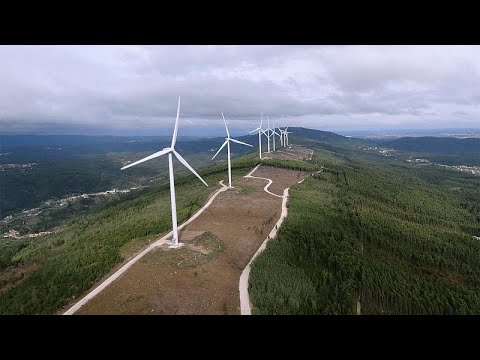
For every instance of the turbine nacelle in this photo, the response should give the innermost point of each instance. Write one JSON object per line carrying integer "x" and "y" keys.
{"x": 228, "y": 139}
{"x": 260, "y": 131}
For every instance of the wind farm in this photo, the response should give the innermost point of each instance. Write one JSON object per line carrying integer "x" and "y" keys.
{"x": 255, "y": 202}
{"x": 233, "y": 240}
{"x": 203, "y": 276}
{"x": 239, "y": 180}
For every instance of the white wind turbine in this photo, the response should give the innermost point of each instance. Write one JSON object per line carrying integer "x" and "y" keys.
{"x": 281, "y": 136}
{"x": 284, "y": 137}
{"x": 286, "y": 132}
{"x": 268, "y": 134}
{"x": 171, "y": 150}
{"x": 273, "y": 134}
{"x": 259, "y": 129}
{"x": 227, "y": 142}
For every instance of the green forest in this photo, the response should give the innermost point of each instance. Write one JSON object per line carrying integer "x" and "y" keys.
{"x": 372, "y": 235}
{"x": 53, "y": 179}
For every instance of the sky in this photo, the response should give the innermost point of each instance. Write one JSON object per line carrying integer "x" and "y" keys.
{"x": 133, "y": 90}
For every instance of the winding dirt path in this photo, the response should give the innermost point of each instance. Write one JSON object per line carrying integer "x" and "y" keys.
{"x": 162, "y": 281}
{"x": 125, "y": 267}
{"x": 245, "y": 305}
{"x": 249, "y": 175}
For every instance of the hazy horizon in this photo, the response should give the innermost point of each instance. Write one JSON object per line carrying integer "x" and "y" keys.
{"x": 194, "y": 133}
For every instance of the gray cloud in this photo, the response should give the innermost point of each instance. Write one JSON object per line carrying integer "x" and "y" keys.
{"x": 48, "y": 88}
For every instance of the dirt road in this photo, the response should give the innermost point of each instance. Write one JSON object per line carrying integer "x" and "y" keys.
{"x": 203, "y": 276}
{"x": 164, "y": 240}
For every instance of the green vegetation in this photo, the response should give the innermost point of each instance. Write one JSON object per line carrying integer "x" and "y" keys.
{"x": 54, "y": 179}
{"x": 61, "y": 266}
{"x": 444, "y": 150}
{"x": 34, "y": 169}
{"x": 290, "y": 164}
{"x": 441, "y": 145}
{"x": 396, "y": 238}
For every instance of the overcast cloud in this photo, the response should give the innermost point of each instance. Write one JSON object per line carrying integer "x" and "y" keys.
{"x": 134, "y": 89}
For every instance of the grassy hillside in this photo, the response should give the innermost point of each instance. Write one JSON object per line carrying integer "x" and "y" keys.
{"x": 395, "y": 238}
{"x": 34, "y": 169}
{"x": 40, "y": 275}
{"x": 25, "y": 188}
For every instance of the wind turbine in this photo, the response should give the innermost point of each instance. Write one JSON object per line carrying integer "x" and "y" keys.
{"x": 286, "y": 132}
{"x": 268, "y": 134}
{"x": 273, "y": 134}
{"x": 284, "y": 137}
{"x": 227, "y": 142}
{"x": 171, "y": 151}
{"x": 281, "y": 136}
{"x": 259, "y": 129}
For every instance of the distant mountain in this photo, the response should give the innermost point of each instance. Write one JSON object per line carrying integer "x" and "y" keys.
{"x": 391, "y": 134}
{"x": 18, "y": 141}
{"x": 29, "y": 148}
{"x": 318, "y": 135}
{"x": 325, "y": 140}
{"x": 436, "y": 145}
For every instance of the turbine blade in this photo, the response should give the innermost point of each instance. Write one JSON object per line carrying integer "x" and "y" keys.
{"x": 254, "y": 130}
{"x": 184, "y": 162}
{"x": 221, "y": 147}
{"x": 273, "y": 131}
{"x": 240, "y": 142}
{"x": 174, "y": 137}
{"x": 226, "y": 128}
{"x": 157, "y": 154}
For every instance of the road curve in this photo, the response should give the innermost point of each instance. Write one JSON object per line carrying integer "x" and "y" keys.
{"x": 245, "y": 306}
{"x": 125, "y": 267}
{"x": 249, "y": 175}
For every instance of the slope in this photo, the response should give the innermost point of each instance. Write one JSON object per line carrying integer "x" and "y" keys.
{"x": 372, "y": 235}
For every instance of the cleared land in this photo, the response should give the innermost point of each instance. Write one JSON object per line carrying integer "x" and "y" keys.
{"x": 293, "y": 153}
{"x": 202, "y": 277}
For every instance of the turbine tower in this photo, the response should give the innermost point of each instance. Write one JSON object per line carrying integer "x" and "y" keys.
{"x": 268, "y": 134}
{"x": 273, "y": 134}
{"x": 171, "y": 151}
{"x": 259, "y": 129}
{"x": 227, "y": 142}
{"x": 286, "y": 132}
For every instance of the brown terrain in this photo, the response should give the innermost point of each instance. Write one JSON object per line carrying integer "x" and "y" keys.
{"x": 293, "y": 153}
{"x": 203, "y": 276}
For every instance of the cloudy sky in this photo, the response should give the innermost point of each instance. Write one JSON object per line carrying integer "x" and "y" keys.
{"x": 134, "y": 89}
